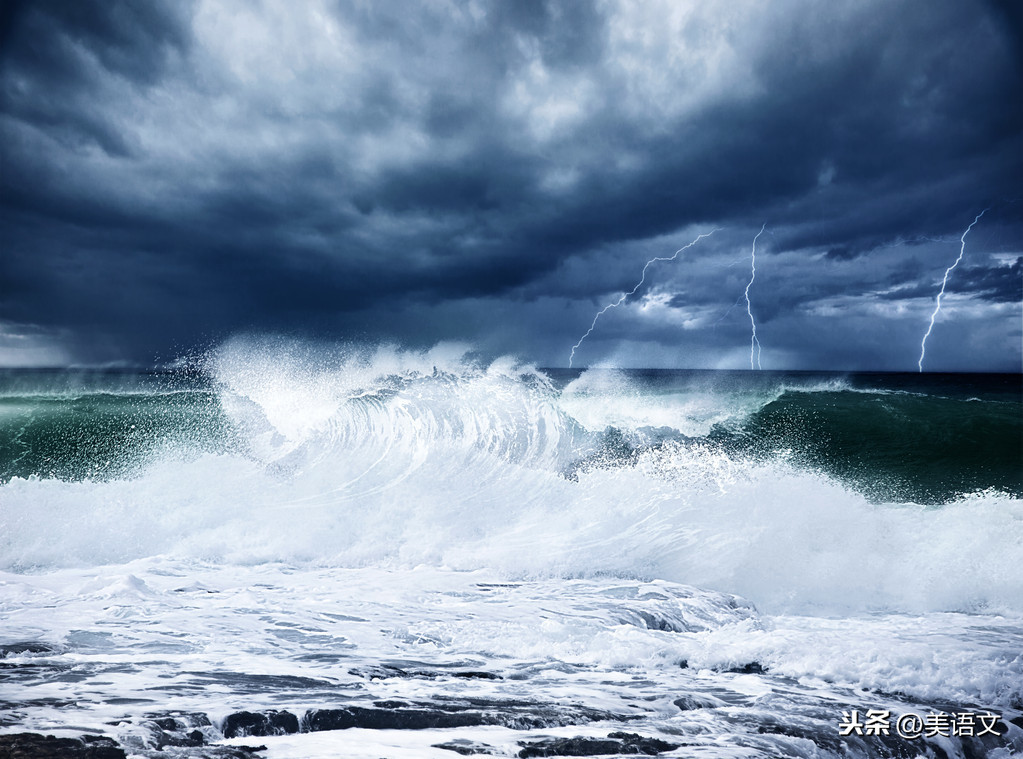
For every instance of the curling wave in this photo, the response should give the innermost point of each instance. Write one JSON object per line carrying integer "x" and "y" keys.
{"x": 396, "y": 458}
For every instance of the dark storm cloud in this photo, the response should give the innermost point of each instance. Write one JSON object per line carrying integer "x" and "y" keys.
{"x": 1001, "y": 284}
{"x": 55, "y": 53}
{"x": 175, "y": 172}
{"x": 995, "y": 284}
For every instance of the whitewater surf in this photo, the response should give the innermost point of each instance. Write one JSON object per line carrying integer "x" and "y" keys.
{"x": 376, "y": 552}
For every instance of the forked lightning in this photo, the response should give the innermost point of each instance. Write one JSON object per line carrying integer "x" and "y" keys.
{"x": 639, "y": 284}
{"x": 754, "y": 343}
{"x": 944, "y": 281}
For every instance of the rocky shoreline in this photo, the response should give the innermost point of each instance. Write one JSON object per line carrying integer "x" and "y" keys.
{"x": 196, "y": 736}
{"x": 622, "y": 668}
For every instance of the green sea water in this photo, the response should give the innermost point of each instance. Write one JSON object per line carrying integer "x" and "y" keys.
{"x": 925, "y": 439}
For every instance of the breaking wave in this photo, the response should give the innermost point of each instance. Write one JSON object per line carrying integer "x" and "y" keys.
{"x": 289, "y": 453}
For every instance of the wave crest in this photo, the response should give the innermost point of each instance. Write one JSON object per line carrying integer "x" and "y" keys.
{"x": 399, "y": 458}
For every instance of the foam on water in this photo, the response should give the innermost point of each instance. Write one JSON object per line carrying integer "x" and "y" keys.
{"x": 611, "y": 398}
{"x": 357, "y": 528}
{"x": 395, "y": 458}
{"x": 219, "y": 639}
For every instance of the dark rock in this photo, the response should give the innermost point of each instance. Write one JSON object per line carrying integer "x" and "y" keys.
{"x": 465, "y": 747}
{"x": 35, "y": 746}
{"x": 688, "y": 703}
{"x": 162, "y": 738}
{"x": 549, "y": 715}
{"x": 259, "y": 724}
{"x": 392, "y": 704}
{"x": 828, "y": 741}
{"x": 654, "y": 622}
{"x": 615, "y": 743}
{"x": 179, "y": 720}
{"x": 194, "y": 738}
{"x": 753, "y": 668}
{"x": 642, "y": 745}
{"x": 465, "y": 712}
{"x": 25, "y": 647}
{"x": 213, "y": 752}
{"x": 177, "y": 731}
{"x": 570, "y": 747}
{"x": 227, "y": 752}
{"x": 385, "y": 671}
{"x": 391, "y": 719}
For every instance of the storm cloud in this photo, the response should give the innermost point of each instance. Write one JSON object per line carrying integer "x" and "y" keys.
{"x": 175, "y": 173}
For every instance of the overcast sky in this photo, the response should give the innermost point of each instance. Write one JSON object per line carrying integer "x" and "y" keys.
{"x": 175, "y": 173}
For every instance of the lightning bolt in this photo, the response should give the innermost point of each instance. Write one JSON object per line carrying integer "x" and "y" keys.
{"x": 944, "y": 281}
{"x": 639, "y": 284}
{"x": 754, "y": 343}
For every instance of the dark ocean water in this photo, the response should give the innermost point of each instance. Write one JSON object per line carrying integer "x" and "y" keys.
{"x": 76, "y": 425}
{"x": 899, "y": 437}
{"x": 925, "y": 439}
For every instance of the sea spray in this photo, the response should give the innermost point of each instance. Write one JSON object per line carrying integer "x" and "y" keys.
{"x": 399, "y": 458}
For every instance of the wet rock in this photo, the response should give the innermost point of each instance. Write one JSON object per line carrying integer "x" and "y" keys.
{"x": 615, "y": 743}
{"x": 183, "y": 730}
{"x": 468, "y": 712}
{"x": 385, "y": 671}
{"x": 638, "y": 744}
{"x": 465, "y": 747}
{"x": 688, "y": 703}
{"x": 532, "y": 715}
{"x": 827, "y": 740}
{"x": 25, "y": 647}
{"x": 390, "y": 719}
{"x": 224, "y": 752}
{"x": 392, "y": 704}
{"x": 211, "y": 752}
{"x": 753, "y": 668}
{"x": 259, "y": 724}
{"x": 570, "y": 747}
{"x": 35, "y": 746}
{"x": 162, "y": 738}
{"x": 208, "y": 752}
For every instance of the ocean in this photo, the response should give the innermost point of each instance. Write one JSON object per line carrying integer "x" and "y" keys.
{"x": 376, "y": 552}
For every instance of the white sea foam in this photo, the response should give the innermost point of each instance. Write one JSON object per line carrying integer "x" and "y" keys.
{"x": 393, "y": 458}
{"x": 424, "y": 511}
{"x": 219, "y": 639}
{"x": 602, "y": 398}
